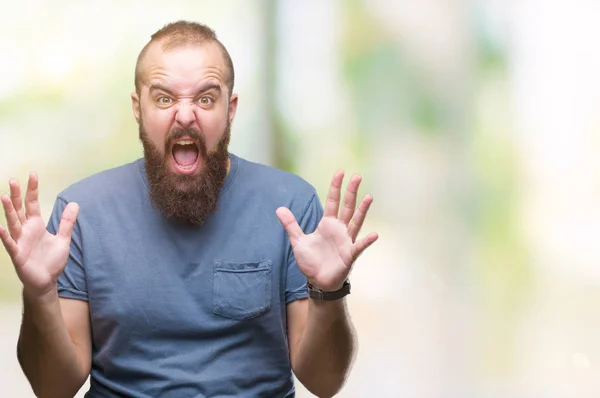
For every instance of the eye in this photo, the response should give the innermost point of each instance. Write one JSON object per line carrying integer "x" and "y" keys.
{"x": 165, "y": 100}
{"x": 205, "y": 100}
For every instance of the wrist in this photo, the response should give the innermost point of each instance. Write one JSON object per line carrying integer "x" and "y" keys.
{"x": 318, "y": 294}
{"x": 327, "y": 312}
{"x": 46, "y": 297}
{"x": 327, "y": 287}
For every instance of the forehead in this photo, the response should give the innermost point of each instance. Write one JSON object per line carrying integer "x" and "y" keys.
{"x": 185, "y": 67}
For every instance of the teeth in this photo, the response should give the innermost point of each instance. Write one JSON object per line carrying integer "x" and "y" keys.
{"x": 185, "y": 142}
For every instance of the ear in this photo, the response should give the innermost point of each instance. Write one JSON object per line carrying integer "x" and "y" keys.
{"x": 233, "y": 103}
{"x": 135, "y": 104}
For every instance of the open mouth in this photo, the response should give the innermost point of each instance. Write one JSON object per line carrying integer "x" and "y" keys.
{"x": 185, "y": 155}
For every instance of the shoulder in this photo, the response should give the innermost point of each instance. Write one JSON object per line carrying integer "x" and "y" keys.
{"x": 275, "y": 183}
{"x": 112, "y": 182}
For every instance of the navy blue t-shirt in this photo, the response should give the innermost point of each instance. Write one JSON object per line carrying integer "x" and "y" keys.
{"x": 179, "y": 311}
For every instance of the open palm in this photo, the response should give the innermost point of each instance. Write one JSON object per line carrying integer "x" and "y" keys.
{"x": 38, "y": 256}
{"x": 326, "y": 256}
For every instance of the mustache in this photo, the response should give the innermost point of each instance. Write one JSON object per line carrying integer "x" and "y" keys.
{"x": 191, "y": 133}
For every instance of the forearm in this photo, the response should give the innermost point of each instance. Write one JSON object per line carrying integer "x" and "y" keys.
{"x": 327, "y": 348}
{"x": 45, "y": 350}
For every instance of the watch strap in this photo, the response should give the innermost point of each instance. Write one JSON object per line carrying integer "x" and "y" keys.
{"x": 320, "y": 295}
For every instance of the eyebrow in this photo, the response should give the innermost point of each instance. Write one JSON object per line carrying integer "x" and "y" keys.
{"x": 204, "y": 88}
{"x": 160, "y": 87}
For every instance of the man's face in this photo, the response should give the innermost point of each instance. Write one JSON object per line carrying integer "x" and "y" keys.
{"x": 184, "y": 113}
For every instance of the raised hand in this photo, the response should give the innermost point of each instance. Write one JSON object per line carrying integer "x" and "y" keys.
{"x": 38, "y": 256}
{"x": 326, "y": 256}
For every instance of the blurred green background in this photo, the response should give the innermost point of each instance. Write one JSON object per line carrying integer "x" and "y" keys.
{"x": 474, "y": 125}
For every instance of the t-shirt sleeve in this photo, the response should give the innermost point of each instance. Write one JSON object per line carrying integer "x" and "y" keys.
{"x": 296, "y": 281}
{"x": 72, "y": 282}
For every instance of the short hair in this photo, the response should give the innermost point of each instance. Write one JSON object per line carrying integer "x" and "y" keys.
{"x": 181, "y": 33}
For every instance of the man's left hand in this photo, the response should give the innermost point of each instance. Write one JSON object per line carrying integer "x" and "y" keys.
{"x": 326, "y": 256}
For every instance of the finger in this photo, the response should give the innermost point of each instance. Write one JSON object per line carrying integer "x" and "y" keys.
{"x": 290, "y": 224}
{"x": 15, "y": 198}
{"x": 333, "y": 197}
{"x": 9, "y": 244}
{"x": 350, "y": 199}
{"x": 32, "y": 205}
{"x": 67, "y": 221}
{"x": 359, "y": 217}
{"x": 12, "y": 219}
{"x": 359, "y": 247}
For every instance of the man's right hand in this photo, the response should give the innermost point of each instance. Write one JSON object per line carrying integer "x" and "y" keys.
{"x": 39, "y": 257}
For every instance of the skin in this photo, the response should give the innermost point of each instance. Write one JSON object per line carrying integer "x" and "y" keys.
{"x": 321, "y": 334}
{"x": 182, "y": 88}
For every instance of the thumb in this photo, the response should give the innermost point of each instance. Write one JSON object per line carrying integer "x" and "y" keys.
{"x": 287, "y": 219}
{"x": 67, "y": 221}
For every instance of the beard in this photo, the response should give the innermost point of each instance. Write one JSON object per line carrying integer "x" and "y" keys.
{"x": 186, "y": 199}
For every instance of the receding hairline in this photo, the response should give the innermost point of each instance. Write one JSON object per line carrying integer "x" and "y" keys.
{"x": 180, "y": 34}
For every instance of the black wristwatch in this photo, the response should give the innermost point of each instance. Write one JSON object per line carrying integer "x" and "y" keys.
{"x": 319, "y": 295}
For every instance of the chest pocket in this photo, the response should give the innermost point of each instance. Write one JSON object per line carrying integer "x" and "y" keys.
{"x": 241, "y": 290}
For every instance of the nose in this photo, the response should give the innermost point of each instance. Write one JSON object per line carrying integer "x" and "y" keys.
{"x": 185, "y": 115}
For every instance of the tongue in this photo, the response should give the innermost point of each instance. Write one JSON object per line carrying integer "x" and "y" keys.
{"x": 185, "y": 155}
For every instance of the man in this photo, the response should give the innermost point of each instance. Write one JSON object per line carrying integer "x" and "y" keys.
{"x": 186, "y": 273}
